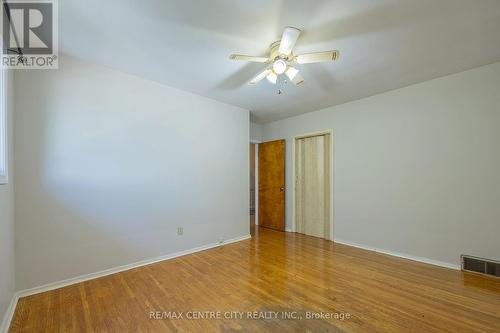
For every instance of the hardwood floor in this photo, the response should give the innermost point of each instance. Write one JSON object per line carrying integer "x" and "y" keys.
{"x": 273, "y": 272}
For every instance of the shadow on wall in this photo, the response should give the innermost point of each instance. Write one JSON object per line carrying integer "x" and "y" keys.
{"x": 105, "y": 181}
{"x": 89, "y": 210}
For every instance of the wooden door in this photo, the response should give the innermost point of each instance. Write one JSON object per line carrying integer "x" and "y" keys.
{"x": 272, "y": 185}
{"x": 312, "y": 186}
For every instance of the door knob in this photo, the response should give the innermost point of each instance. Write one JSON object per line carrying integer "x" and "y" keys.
{"x": 282, "y": 189}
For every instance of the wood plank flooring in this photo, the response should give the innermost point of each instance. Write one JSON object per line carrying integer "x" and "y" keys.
{"x": 277, "y": 274}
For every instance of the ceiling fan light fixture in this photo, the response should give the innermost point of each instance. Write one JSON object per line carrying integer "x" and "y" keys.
{"x": 272, "y": 77}
{"x": 281, "y": 56}
{"x": 291, "y": 72}
{"x": 279, "y": 66}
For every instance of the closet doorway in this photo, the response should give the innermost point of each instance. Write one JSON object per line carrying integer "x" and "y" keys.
{"x": 313, "y": 184}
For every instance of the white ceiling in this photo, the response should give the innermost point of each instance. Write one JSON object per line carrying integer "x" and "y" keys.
{"x": 384, "y": 45}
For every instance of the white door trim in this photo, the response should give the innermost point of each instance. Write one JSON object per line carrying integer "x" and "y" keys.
{"x": 256, "y": 142}
{"x": 331, "y": 171}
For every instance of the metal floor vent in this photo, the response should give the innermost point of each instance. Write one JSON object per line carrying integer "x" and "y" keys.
{"x": 480, "y": 265}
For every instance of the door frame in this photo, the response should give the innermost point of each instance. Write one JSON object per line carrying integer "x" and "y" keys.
{"x": 256, "y": 142}
{"x": 331, "y": 171}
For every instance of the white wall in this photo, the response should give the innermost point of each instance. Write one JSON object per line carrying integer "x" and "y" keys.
{"x": 417, "y": 170}
{"x": 7, "y": 268}
{"x": 109, "y": 165}
{"x": 256, "y": 132}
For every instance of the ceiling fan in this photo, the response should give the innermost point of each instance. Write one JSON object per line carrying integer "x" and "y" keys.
{"x": 282, "y": 59}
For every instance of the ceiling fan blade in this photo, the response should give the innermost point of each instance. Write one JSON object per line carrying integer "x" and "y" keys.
{"x": 310, "y": 58}
{"x": 248, "y": 58}
{"x": 260, "y": 77}
{"x": 288, "y": 40}
{"x": 297, "y": 79}
{"x": 272, "y": 77}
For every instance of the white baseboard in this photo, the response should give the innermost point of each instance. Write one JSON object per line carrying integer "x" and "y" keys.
{"x": 86, "y": 277}
{"x": 59, "y": 284}
{"x": 400, "y": 255}
{"x": 9, "y": 314}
